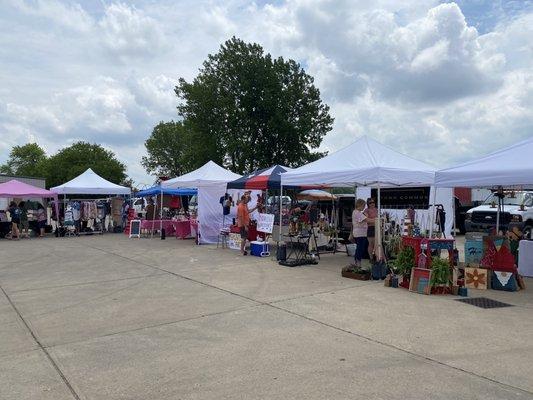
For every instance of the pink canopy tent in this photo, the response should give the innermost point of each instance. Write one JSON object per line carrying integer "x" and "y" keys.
{"x": 14, "y": 188}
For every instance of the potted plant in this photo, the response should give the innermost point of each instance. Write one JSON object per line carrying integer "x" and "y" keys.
{"x": 393, "y": 275}
{"x": 440, "y": 276}
{"x": 356, "y": 272}
{"x": 403, "y": 264}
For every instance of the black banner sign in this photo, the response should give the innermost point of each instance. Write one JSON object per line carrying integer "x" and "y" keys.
{"x": 417, "y": 197}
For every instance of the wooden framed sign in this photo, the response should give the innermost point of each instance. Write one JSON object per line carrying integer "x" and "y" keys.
{"x": 420, "y": 281}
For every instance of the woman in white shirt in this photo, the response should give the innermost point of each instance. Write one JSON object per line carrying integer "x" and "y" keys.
{"x": 359, "y": 230}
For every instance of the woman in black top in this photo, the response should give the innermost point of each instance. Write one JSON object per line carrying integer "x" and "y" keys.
{"x": 14, "y": 212}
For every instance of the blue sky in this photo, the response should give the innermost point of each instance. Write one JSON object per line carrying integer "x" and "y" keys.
{"x": 442, "y": 81}
{"x": 484, "y": 15}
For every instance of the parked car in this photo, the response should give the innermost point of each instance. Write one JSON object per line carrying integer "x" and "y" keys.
{"x": 517, "y": 211}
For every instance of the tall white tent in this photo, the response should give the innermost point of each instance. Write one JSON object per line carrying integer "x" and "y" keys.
{"x": 210, "y": 180}
{"x": 511, "y": 166}
{"x": 90, "y": 183}
{"x": 369, "y": 163}
{"x": 365, "y": 162}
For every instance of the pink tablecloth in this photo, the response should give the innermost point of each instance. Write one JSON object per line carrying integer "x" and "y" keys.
{"x": 156, "y": 224}
{"x": 182, "y": 229}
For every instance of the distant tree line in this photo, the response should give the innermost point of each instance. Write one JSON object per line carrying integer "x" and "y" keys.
{"x": 245, "y": 110}
{"x": 31, "y": 160}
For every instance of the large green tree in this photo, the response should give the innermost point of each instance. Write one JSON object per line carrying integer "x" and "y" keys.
{"x": 71, "y": 161}
{"x": 246, "y": 110}
{"x": 169, "y": 150}
{"x": 26, "y": 160}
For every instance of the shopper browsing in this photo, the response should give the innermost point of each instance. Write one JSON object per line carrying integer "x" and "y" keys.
{"x": 371, "y": 213}
{"x": 24, "y": 223}
{"x": 243, "y": 221}
{"x": 14, "y": 213}
{"x": 41, "y": 219}
{"x": 359, "y": 230}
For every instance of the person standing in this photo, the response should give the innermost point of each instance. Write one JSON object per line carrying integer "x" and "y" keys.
{"x": 41, "y": 219}
{"x": 150, "y": 210}
{"x": 243, "y": 221}
{"x": 14, "y": 213}
{"x": 359, "y": 230}
{"x": 24, "y": 223}
{"x": 371, "y": 213}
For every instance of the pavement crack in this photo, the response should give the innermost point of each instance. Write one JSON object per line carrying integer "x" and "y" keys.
{"x": 83, "y": 283}
{"x": 359, "y": 335}
{"x": 141, "y": 328}
{"x": 45, "y": 351}
{"x": 410, "y": 353}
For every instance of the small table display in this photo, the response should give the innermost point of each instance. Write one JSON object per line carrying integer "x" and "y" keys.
{"x": 299, "y": 253}
{"x": 181, "y": 229}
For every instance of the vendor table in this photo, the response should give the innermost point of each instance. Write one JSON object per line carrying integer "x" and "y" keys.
{"x": 156, "y": 224}
{"x": 418, "y": 243}
{"x": 182, "y": 229}
{"x": 252, "y": 232}
{"x": 5, "y": 228}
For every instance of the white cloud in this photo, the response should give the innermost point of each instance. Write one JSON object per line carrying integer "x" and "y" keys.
{"x": 70, "y": 16}
{"x": 414, "y": 74}
{"x": 129, "y": 33}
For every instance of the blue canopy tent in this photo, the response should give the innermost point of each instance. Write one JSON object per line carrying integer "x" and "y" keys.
{"x": 156, "y": 190}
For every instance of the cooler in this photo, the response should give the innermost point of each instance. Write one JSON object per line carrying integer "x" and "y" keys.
{"x": 259, "y": 249}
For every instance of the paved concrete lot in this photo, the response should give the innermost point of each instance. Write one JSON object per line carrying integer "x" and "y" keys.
{"x": 105, "y": 317}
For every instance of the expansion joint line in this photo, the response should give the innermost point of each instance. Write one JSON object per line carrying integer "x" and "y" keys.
{"x": 41, "y": 347}
{"x": 360, "y": 336}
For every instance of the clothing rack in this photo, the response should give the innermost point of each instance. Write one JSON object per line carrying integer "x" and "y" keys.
{"x": 97, "y": 222}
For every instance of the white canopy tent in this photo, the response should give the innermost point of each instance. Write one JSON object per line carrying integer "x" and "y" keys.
{"x": 90, "y": 183}
{"x": 511, "y": 166}
{"x": 365, "y": 162}
{"x": 210, "y": 180}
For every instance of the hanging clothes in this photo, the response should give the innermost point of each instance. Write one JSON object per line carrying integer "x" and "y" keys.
{"x": 76, "y": 210}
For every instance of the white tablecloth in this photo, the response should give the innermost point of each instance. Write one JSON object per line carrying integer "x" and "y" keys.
{"x": 525, "y": 258}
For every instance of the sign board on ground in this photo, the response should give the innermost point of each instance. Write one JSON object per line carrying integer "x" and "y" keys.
{"x": 265, "y": 223}
{"x": 135, "y": 228}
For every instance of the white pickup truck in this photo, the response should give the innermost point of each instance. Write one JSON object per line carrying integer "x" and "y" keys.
{"x": 517, "y": 211}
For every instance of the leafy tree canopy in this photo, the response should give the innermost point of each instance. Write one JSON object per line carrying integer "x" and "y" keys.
{"x": 71, "y": 161}
{"x": 169, "y": 150}
{"x": 26, "y": 160}
{"x": 246, "y": 110}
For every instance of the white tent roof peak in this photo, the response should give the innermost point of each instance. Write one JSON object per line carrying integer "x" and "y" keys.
{"x": 365, "y": 162}
{"x": 89, "y": 182}
{"x": 511, "y": 166}
{"x": 208, "y": 174}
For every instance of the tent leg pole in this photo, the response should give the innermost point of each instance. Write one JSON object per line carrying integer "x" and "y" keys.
{"x": 161, "y": 215}
{"x": 378, "y": 226}
{"x": 454, "y": 233}
{"x": 498, "y": 216}
{"x": 432, "y": 212}
{"x": 280, "y": 212}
